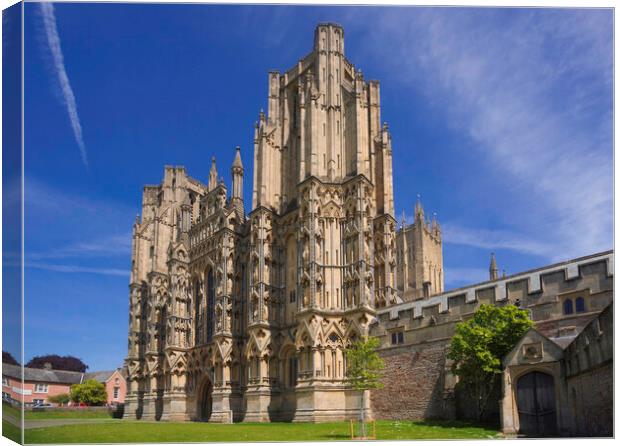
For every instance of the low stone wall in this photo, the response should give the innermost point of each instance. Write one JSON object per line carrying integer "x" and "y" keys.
{"x": 591, "y": 401}
{"x": 413, "y": 382}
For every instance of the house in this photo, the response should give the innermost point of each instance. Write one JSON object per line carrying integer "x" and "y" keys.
{"x": 115, "y": 384}
{"x": 40, "y": 384}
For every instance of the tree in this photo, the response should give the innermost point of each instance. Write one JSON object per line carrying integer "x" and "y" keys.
{"x": 69, "y": 363}
{"x": 480, "y": 343}
{"x": 8, "y": 358}
{"x": 61, "y": 398}
{"x": 90, "y": 392}
{"x": 364, "y": 366}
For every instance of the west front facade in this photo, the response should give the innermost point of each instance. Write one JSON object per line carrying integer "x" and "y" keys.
{"x": 236, "y": 316}
{"x": 245, "y": 316}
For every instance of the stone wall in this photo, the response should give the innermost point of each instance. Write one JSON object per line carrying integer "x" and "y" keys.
{"x": 589, "y": 367}
{"x": 413, "y": 383}
{"x": 591, "y": 402}
{"x": 417, "y": 381}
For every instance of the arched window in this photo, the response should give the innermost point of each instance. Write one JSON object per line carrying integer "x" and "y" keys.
{"x": 580, "y": 305}
{"x": 568, "y": 306}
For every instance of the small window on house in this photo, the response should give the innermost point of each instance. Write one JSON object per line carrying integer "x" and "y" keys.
{"x": 116, "y": 392}
{"x": 40, "y": 388}
{"x": 568, "y": 306}
{"x": 5, "y": 381}
{"x": 580, "y": 305}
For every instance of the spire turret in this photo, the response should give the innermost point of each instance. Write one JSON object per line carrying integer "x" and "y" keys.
{"x": 237, "y": 180}
{"x": 493, "y": 271}
{"x": 213, "y": 174}
{"x": 435, "y": 227}
{"x": 419, "y": 211}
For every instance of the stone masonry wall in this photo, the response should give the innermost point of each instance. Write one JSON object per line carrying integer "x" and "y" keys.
{"x": 592, "y": 402}
{"x": 417, "y": 381}
{"x": 413, "y": 382}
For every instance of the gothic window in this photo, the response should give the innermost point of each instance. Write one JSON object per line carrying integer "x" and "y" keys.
{"x": 210, "y": 305}
{"x": 568, "y": 306}
{"x": 198, "y": 314}
{"x": 152, "y": 251}
{"x": 580, "y": 305}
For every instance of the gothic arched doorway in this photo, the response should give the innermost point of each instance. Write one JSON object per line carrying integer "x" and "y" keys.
{"x": 536, "y": 405}
{"x": 205, "y": 400}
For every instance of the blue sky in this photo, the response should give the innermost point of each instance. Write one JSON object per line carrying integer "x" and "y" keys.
{"x": 501, "y": 120}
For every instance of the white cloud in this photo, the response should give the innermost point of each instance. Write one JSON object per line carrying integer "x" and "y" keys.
{"x": 105, "y": 246}
{"x": 456, "y": 277}
{"x": 53, "y": 41}
{"x": 495, "y": 239}
{"x": 78, "y": 269}
{"x": 532, "y": 90}
{"x": 63, "y": 225}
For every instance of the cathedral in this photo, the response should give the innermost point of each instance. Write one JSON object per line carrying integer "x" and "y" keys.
{"x": 237, "y": 316}
{"x": 246, "y": 316}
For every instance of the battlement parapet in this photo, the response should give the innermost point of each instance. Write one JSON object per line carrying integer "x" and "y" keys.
{"x": 528, "y": 283}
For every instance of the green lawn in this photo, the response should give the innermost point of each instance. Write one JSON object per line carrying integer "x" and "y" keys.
{"x": 11, "y": 431}
{"x": 132, "y": 431}
{"x": 67, "y": 414}
{"x": 56, "y": 414}
{"x": 11, "y": 410}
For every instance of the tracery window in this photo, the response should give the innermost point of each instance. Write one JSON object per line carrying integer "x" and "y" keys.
{"x": 210, "y": 305}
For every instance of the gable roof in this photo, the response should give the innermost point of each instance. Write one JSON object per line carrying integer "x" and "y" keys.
{"x": 42, "y": 375}
{"x": 551, "y": 351}
{"x": 101, "y": 376}
{"x": 54, "y": 376}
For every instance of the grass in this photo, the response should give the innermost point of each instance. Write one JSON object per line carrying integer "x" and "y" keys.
{"x": 11, "y": 410}
{"x": 136, "y": 431}
{"x": 11, "y": 431}
{"x": 78, "y": 414}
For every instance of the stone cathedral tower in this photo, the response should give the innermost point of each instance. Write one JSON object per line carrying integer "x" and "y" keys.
{"x": 236, "y": 317}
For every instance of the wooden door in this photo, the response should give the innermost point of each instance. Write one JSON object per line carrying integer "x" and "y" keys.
{"x": 536, "y": 405}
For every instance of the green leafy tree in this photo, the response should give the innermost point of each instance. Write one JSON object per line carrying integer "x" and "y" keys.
{"x": 480, "y": 343}
{"x": 364, "y": 367}
{"x": 90, "y": 392}
{"x": 61, "y": 398}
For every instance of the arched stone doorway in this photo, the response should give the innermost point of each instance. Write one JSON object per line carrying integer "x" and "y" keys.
{"x": 536, "y": 405}
{"x": 205, "y": 400}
